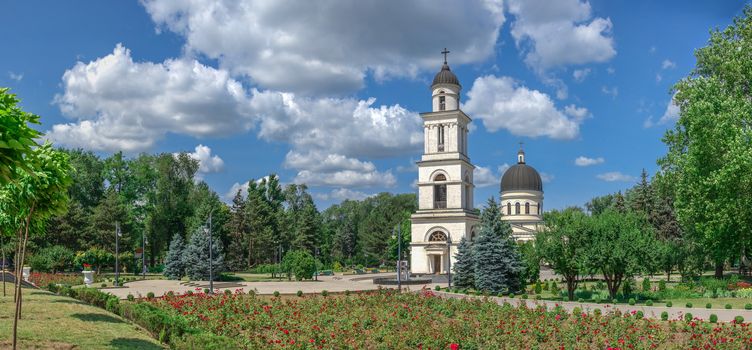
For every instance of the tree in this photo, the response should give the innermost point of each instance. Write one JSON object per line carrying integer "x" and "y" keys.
{"x": 709, "y": 159}
{"x": 175, "y": 261}
{"x": 53, "y": 258}
{"x": 562, "y": 244}
{"x": 196, "y": 256}
{"x": 497, "y": 261}
{"x": 299, "y": 263}
{"x": 464, "y": 266}
{"x": 237, "y": 228}
{"x": 619, "y": 246}
{"x": 17, "y": 138}
{"x": 531, "y": 261}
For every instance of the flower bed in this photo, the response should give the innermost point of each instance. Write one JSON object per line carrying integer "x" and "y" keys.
{"x": 384, "y": 319}
{"x": 43, "y": 279}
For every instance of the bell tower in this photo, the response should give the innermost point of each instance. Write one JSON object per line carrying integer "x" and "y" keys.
{"x": 445, "y": 180}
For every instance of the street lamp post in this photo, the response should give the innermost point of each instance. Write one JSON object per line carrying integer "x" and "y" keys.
{"x": 449, "y": 259}
{"x": 117, "y": 253}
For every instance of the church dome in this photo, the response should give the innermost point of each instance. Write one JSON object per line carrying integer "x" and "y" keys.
{"x": 445, "y": 76}
{"x": 521, "y": 177}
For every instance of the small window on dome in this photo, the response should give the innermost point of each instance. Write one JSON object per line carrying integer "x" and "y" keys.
{"x": 527, "y": 208}
{"x": 509, "y": 208}
{"x": 517, "y": 208}
{"x": 442, "y": 103}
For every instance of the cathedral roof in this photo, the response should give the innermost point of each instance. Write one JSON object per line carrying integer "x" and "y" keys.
{"x": 445, "y": 76}
{"x": 521, "y": 177}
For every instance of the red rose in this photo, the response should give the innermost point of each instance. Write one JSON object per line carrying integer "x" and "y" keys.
{"x": 454, "y": 346}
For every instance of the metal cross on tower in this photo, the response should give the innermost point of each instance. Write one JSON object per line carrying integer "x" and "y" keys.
{"x": 445, "y": 52}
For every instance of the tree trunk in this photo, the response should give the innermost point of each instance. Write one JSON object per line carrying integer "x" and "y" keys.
{"x": 719, "y": 269}
{"x": 18, "y": 285}
{"x": 571, "y": 286}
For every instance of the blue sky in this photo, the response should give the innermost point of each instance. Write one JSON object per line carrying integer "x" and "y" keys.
{"x": 328, "y": 92}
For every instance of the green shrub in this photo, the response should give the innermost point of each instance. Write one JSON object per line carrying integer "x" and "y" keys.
{"x": 632, "y": 301}
{"x": 150, "y": 295}
{"x": 708, "y": 306}
{"x": 688, "y": 316}
{"x": 524, "y": 296}
{"x": 206, "y": 290}
{"x": 538, "y": 287}
{"x": 727, "y": 306}
{"x": 661, "y": 286}
{"x": 546, "y": 286}
{"x": 324, "y": 293}
{"x": 664, "y": 316}
{"x": 203, "y": 340}
{"x": 580, "y": 300}
{"x": 639, "y": 314}
{"x": 53, "y": 259}
{"x": 190, "y": 292}
{"x": 500, "y": 295}
{"x": 646, "y": 285}
{"x": 669, "y": 304}
{"x": 511, "y": 295}
{"x": 299, "y": 293}
{"x": 649, "y": 303}
{"x": 614, "y": 301}
{"x": 747, "y": 306}
{"x": 713, "y": 318}
{"x": 576, "y": 311}
{"x": 437, "y": 288}
{"x": 689, "y": 305}
{"x": 155, "y": 320}
{"x": 104, "y": 285}
{"x": 130, "y": 297}
{"x": 538, "y": 297}
{"x": 347, "y": 292}
{"x": 276, "y": 293}
{"x": 113, "y": 304}
{"x": 597, "y": 312}
{"x": 738, "y": 319}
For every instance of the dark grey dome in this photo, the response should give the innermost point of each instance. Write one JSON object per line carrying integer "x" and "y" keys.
{"x": 521, "y": 177}
{"x": 445, "y": 76}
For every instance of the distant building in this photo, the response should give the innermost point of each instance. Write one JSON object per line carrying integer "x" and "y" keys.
{"x": 522, "y": 199}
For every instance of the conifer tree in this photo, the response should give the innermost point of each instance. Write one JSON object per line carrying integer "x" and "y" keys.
{"x": 464, "y": 267}
{"x": 498, "y": 264}
{"x": 174, "y": 263}
{"x": 196, "y": 256}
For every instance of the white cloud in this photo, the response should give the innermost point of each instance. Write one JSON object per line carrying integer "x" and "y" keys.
{"x": 668, "y": 64}
{"x": 119, "y": 104}
{"x": 335, "y": 170}
{"x": 329, "y": 46}
{"x": 502, "y": 104}
{"x": 652, "y": 50}
{"x": 320, "y": 162}
{"x": 546, "y": 177}
{"x": 615, "y": 176}
{"x": 342, "y": 194}
{"x": 557, "y": 33}
{"x": 412, "y": 168}
{"x": 658, "y": 77}
{"x": 585, "y": 161}
{"x": 243, "y": 187}
{"x": 578, "y": 113}
{"x": 15, "y": 76}
{"x": 611, "y": 70}
{"x": 503, "y": 168}
{"x": 207, "y": 163}
{"x": 671, "y": 114}
{"x": 579, "y": 75}
{"x": 612, "y": 91}
{"x": 484, "y": 177}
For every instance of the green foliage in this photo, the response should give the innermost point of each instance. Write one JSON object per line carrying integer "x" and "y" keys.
{"x": 196, "y": 256}
{"x": 324, "y": 293}
{"x": 52, "y": 259}
{"x": 497, "y": 261}
{"x": 748, "y": 306}
{"x": 646, "y": 285}
{"x": 538, "y": 288}
{"x": 175, "y": 264}
{"x": 95, "y": 257}
{"x": 631, "y": 301}
{"x": 664, "y": 316}
{"x": 713, "y": 318}
{"x": 727, "y": 306}
{"x": 708, "y": 306}
{"x": 130, "y": 297}
{"x": 688, "y": 316}
{"x": 276, "y": 294}
{"x": 150, "y": 295}
{"x": 661, "y": 286}
{"x": 649, "y": 303}
{"x": 464, "y": 267}
{"x": 299, "y": 293}
{"x": 689, "y": 305}
{"x": 299, "y": 263}
{"x": 669, "y": 304}
{"x": 17, "y": 138}
{"x": 738, "y": 319}
{"x": 531, "y": 261}
{"x": 562, "y": 244}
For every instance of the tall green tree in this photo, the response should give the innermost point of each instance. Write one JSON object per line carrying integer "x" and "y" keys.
{"x": 175, "y": 262}
{"x": 464, "y": 266}
{"x": 196, "y": 256}
{"x": 497, "y": 262}
{"x": 709, "y": 159}
{"x": 562, "y": 244}
{"x": 16, "y": 139}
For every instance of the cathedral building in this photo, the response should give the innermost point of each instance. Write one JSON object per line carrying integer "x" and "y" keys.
{"x": 522, "y": 199}
{"x": 445, "y": 181}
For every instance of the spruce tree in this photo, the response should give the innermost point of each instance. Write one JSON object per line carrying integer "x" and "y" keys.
{"x": 498, "y": 264}
{"x": 464, "y": 267}
{"x": 196, "y": 256}
{"x": 174, "y": 264}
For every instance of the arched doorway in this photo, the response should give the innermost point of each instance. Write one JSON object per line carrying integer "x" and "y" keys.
{"x": 437, "y": 254}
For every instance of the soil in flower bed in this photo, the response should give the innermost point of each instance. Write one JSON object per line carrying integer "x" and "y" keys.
{"x": 387, "y": 320}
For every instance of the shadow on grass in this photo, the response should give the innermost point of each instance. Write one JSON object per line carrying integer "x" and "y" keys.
{"x": 66, "y": 301}
{"x": 133, "y": 343}
{"x": 91, "y": 317}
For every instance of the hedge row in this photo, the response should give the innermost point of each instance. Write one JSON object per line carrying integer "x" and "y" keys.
{"x": 167, "y": 328}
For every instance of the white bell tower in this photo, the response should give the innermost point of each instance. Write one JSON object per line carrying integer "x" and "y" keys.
{"x": 445, "y": 180}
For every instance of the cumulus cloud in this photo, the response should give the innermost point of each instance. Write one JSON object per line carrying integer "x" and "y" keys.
{"x": 668, "y": 64}
{"x": 671, "y": 114}
{"x": 322, "y": 169}
{"x": 15, "y": 76}
{"x": 558, "y": 33}
{"x": 501, "y": 103}
{"x": 485, "y": 177}
{"x": 207, "y": 163}
{"x": 585, "y": 161}
{"x": 611, "y": 91}
{"x": 579, "y": 75}
{"x": 546, "y": 177}
{"x": 243, "y": 187}
{"x": 329, "y": 46}
{"x": 614, "y": 176}
{"x": 341, "y": 194}
{"x": 120, "y": 104}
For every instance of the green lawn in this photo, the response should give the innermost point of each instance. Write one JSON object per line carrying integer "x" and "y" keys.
{"x": 54, "y": 322}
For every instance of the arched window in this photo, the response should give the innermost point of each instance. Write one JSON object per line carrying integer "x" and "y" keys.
{"x": 437, "y": 236}
{"x": 439, "y": 193}
{"x": 442, "y": 103}
{"x": 468, "y": 203}
{"x": 509, "y": 208}
{"x": 527, "y": 208}
{"x": 517, "y": 208}
{"x": 440, "y": 138}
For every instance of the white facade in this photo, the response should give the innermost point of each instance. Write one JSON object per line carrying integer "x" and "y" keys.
{"x": 528, "y": 220}
{"x": 445, "y": 185}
